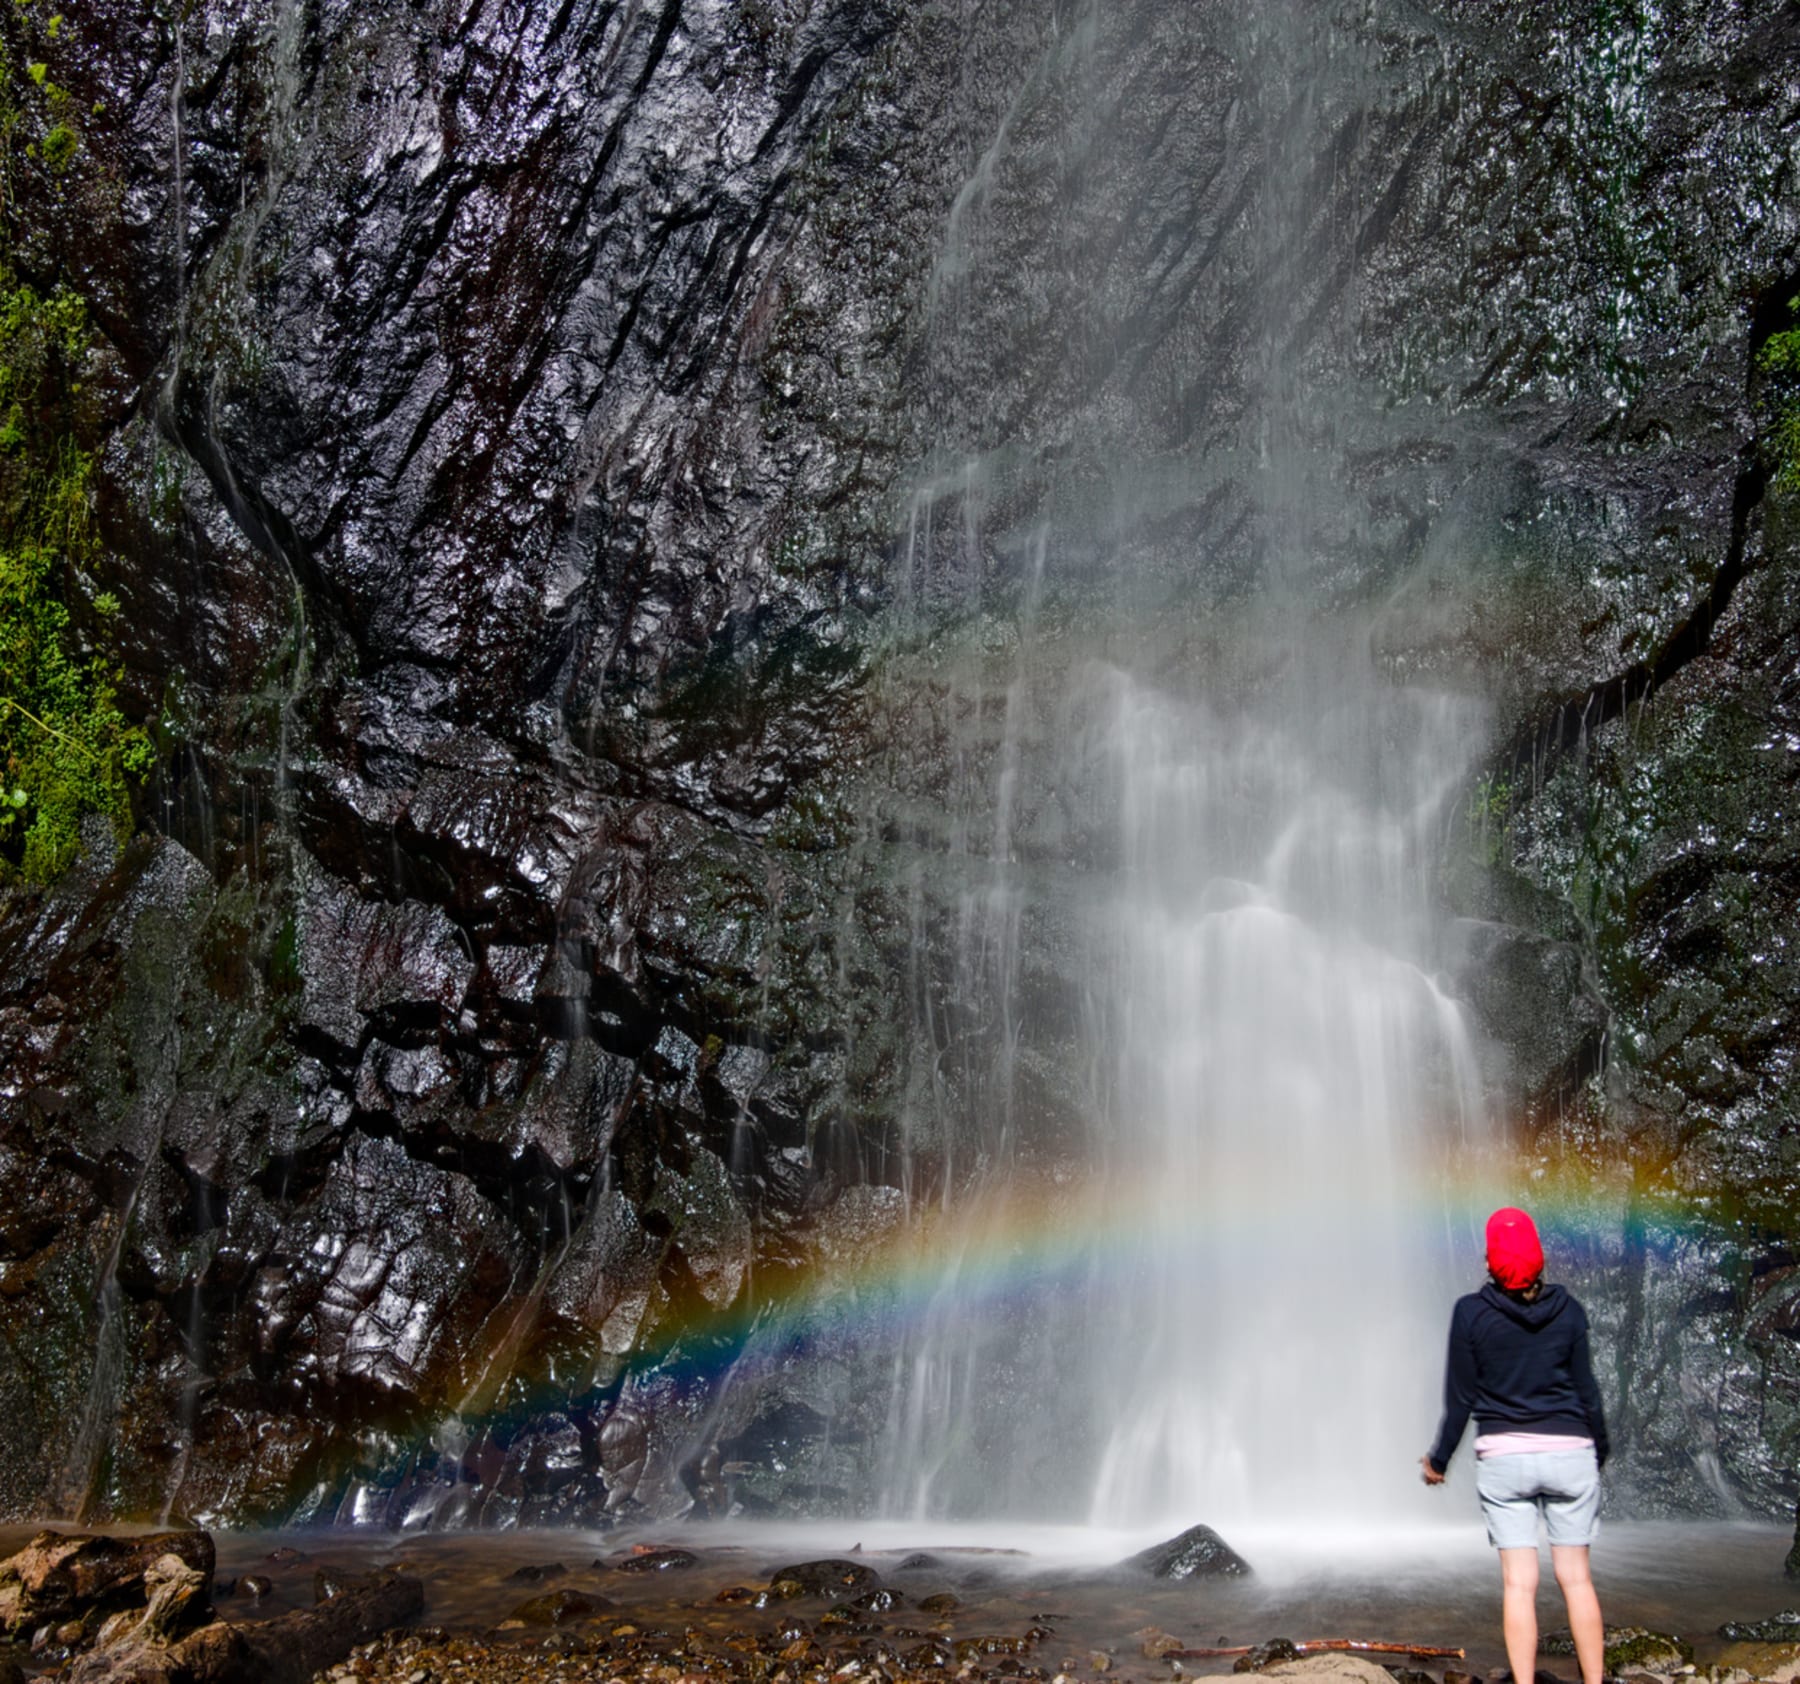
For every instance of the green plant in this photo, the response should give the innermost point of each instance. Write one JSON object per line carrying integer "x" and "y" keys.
{"x": 58, "y": 147}
{"x": 65, "y": 748}
{"x": 1489, "y": 812}
{"x": 1778, "y": 362}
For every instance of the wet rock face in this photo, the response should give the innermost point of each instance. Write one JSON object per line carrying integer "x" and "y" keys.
{"x": 484, "y": 944}
{"x": 525, "y": 430}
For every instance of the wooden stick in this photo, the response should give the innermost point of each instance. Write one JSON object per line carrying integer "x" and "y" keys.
{"x": 1320, "y": 1645}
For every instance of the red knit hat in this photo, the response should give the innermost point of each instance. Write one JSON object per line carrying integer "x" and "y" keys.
{"x": 1515, "y": 1256}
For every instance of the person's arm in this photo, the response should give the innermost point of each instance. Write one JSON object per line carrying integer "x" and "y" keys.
{"x": 1459, "y": 1392}
{"x": 1581, "y": 1371}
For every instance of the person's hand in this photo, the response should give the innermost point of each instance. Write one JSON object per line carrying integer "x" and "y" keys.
{"x": 1431, "y": 1475}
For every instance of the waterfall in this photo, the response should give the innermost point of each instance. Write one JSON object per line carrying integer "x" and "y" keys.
{"x": 1187, "y": 780}
{"x": 1285, "y": 1080}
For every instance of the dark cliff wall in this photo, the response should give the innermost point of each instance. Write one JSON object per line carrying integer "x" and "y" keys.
{"x": 541, "y": 444}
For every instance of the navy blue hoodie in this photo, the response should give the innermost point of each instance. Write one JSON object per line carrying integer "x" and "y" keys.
{"x": 1519, "y": 1368}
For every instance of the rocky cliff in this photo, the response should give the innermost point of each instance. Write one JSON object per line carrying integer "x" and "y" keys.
{"x": 575, "y": 476}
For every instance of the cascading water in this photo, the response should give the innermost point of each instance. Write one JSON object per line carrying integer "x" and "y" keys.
{"x": 1232, "y": 1304}
{"x": 1285, "y": 1078}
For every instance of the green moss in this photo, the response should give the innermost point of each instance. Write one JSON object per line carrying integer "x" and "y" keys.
{"x": 66, "y": 750}
{"x": 58, "y": 147}
{"x": 1778, "y": 362}
{"x": 1632, "y": 1647}
{"x": 284, "y": 958}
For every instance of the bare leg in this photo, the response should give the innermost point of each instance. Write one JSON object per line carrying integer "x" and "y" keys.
{"x": 1585, "y": 1626}
{"x": 1518, "y": 1613}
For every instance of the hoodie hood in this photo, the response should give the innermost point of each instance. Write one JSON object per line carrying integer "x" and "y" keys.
{"x": 1540, "y": 1312}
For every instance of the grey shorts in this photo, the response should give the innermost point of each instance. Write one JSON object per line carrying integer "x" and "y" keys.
{"x": 1561, "y": 1485}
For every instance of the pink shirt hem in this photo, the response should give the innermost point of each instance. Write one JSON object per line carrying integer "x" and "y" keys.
{"x": 1521, "y": 1444}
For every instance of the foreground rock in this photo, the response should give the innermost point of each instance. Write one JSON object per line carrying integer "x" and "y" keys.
{"x": 1197, "y": 1553}
{"x": 1332, "y": 1669}
{"x": 1631, "y": 1649}
{"x": 290, "y": 1649}
{"x": 63, "y": 1578}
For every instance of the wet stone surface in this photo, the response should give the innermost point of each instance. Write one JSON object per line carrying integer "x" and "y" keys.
{"x": 998, "y": 1618}
{"x": 506, "y": 473}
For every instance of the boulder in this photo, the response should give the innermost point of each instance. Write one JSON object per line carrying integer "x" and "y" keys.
{"x": 1777, "y": 1662}
{"x": 1331, "y": 1669}
{"x": 1197, "y": 1553}
{"x": 64, "y": 1576}
{"x": 830, "y": 1577}
{"x": 289, "y": 1649}
{"x": 558, "y": 1607}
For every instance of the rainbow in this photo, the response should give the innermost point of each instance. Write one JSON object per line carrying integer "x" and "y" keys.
{"x": 878, "y": 1270}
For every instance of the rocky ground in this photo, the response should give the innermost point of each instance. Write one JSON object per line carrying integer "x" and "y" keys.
{"x": 136, "y": 1611}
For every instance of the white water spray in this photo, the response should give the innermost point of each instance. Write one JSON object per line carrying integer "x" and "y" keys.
{"x": 1286, "y": 1075}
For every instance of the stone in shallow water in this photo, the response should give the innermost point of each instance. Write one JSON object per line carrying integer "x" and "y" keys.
{"x": 1777, "y": 1628}
{"x": 1779, "y": 1663}
{"x": 1153, "y": 1642}
{"x": 1630, "y": 1648}
{"x": 1197, "y": 1553}
{"x": 558, "y": 1607}
{"x": 657, "y": 1561}
{"x": 826, "y": 1578}
{"x": 881, "y": 1601}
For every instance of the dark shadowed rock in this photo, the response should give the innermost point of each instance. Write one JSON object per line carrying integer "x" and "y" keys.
{"x": 1197, "y": 1553}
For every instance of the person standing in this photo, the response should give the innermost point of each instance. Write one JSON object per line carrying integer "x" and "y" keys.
{"x": 1519, "y": 1363}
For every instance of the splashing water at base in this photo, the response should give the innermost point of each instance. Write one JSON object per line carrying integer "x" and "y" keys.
{"x": 1232, "y": 1309}
{"x": 1284, "y": 1073}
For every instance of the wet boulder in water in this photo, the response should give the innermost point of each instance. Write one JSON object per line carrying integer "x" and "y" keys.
{"x": 1630, "y": 1649}
{"x": 879, "y": 1601}
{"x": 1153, "y": 1643}
{"x": 558, "y": 1607}
{"x": 1197, "y": 1553}
{"x": 658, "y": 1561}
{"x": 1777, "y": 1628}
{"x": 827, "y": 1578}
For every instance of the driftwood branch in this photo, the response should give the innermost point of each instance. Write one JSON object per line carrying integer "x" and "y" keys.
{"x": 1325, "y": 1645}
